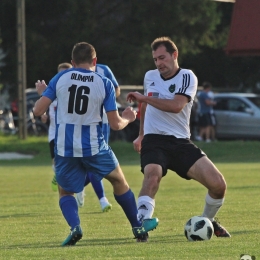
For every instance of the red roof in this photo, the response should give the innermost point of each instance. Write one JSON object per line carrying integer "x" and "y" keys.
{"x": 244, "y": 35}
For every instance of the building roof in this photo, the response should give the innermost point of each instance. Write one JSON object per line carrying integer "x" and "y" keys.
{"x": 244, "y": 35}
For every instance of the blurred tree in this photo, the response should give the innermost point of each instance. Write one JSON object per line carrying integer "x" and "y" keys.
{"x": 121, "y": 32}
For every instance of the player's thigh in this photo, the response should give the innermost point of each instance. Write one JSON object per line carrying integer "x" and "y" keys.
{"x": 116, "y": 176}
{"x": 70, "y": 173}
{"x": 205, "y": 172}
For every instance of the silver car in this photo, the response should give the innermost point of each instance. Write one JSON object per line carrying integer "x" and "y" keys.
{"x": 237, "y": 115}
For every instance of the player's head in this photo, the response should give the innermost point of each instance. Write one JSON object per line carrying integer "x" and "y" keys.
{"x": 83, "y": 53}
{"x": 64, "y": 66}
{"x": 206, "y": 86}
{"x": 165, "y": 55}
{"x": 166, "y": 42}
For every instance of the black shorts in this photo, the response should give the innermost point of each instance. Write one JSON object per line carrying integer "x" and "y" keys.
{"x": 176, "y": 154}
{"x": 205, "y": 120}
{"x": 51, "y": 144}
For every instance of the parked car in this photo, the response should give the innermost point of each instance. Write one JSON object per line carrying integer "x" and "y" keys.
{"x": 32, "y": 96}
{"x": 237, "y": 115}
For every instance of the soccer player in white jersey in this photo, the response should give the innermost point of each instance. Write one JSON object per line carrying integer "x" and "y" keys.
{"x": 51, "y": 130}
{"x": 98, "y": 186}
{"x": 164, "y": 136}
{"x": 79, "y": 142}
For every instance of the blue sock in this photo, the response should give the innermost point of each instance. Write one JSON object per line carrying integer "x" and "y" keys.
{"x": 128, "y": 204}
{"x": 69, "y": 209}
{"x": 97, "y": 186}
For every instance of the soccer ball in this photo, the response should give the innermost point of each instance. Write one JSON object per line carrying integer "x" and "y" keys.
{"x": 198, "y": 228}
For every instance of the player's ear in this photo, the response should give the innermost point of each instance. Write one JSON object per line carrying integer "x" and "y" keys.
{"x": 94, "y": 61}
{"x": 73, "y": 63}
{"x": 175, "y": 55}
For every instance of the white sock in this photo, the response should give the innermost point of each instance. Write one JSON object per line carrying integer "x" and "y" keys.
{"x": 145, "y": 206}
{"x": 103, "y": 200}
{"x": 53, "y": 168}
{"x": 212, "y": 206}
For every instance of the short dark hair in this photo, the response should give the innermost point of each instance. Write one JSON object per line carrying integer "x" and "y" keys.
{"x": 64, "y": 65}
{"x": 83, "y": 52}
{"x": 165, "y": 41}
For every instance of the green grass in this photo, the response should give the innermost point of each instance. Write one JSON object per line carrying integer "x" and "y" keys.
{"x": 32, "y": 226}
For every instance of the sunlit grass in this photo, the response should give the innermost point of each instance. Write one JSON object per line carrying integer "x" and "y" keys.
{"x": 32, "y": 226}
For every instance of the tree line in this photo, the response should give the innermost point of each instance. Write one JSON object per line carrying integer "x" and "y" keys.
{"x": 121, "y": 32}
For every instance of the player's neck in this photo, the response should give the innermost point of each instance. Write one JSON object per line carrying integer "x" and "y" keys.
{"x": 172, "y": 74}
{"x": 86, "y": 66}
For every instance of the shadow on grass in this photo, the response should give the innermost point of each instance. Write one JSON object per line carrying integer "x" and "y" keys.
{"x": 29, "y": 215}
{"x": 87, "y": 242}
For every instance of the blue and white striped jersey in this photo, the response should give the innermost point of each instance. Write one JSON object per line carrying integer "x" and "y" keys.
{"x": 107, "y": 72}
{"x": 104, "y": 70}
{"x": 184, "y": 82}
{"x": 81, "y": 95}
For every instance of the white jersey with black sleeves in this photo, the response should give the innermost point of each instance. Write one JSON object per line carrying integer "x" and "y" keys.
{"x": 81, "y": 95}
{"x": 156, "y": 121}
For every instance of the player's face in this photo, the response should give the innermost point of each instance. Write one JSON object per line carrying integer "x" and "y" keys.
{"x": 164, "y": 61}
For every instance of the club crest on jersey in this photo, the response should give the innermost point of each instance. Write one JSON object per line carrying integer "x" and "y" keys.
{"x": 172, "y": 88}
{"x": 153, "y": 94}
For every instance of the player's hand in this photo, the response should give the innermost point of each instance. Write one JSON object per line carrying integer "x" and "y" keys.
{"x": 129, "y": 114}
{"x": 40, "y": 86}
{"x": 138, "y": 143}
{"x": 44, "y": 118}
{"x": 135, "y": 96}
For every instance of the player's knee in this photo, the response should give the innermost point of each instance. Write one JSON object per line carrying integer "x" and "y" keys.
{"x": 153, "y": 171}
{"x": 220, "y": 188}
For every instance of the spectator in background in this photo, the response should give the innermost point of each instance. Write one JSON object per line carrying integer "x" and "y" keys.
{"x": 212, "y": 118}
{"x": 206, "y": 105}
{"x": 194, "y": 119}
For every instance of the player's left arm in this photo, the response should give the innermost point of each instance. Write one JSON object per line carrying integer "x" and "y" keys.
{"x": 118, "y": 91}
{"x": 175, "y": 105}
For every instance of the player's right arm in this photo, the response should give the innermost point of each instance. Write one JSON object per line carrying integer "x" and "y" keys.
{"x": 117, "y": 122}
{"x": 41, "y": 106}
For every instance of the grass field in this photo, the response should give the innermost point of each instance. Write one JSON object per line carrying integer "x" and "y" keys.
{"x": 32, "y": 226}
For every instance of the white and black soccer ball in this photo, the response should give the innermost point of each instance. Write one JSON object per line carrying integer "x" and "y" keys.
{"x": 198, "y": 228}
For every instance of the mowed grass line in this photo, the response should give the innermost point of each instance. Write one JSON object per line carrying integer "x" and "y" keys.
{"x": 32, "y": 226}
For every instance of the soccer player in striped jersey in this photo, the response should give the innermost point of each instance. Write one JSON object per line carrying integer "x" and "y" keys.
{"x": 164, "y": 136}
{"x": 98, "y": 185}
{"x": 90, "y": 178}
{"x": 79, "y": 142}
